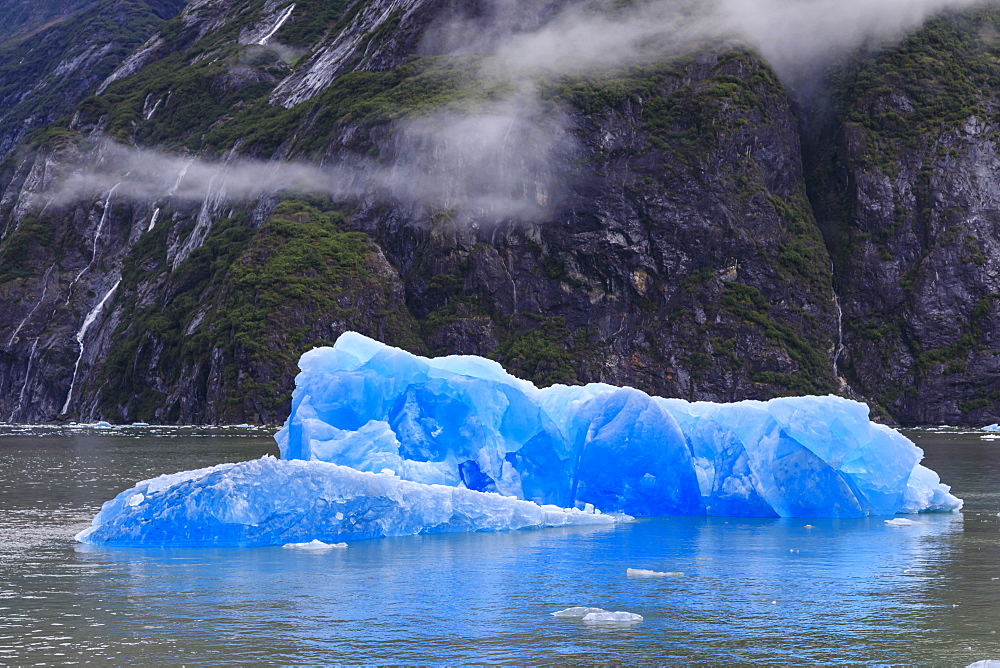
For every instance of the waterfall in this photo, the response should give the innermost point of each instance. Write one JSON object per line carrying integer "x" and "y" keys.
{"x": 839, "y": 348}
{"x": 214, "y": 197}
{"x": 97, "y": 238}
{"x": 45, "y": 289}
{"x": 277, "y": 26}
{"x": 152, "y": 219}
{"x": 24, "y": 386}
{"x": 87, "y": 322}
{"x": 180, "y": 177}
{"x": 838, "y": 351}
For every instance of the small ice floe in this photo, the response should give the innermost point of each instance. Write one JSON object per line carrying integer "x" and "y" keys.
{"x": 578, "y": 612}
{"x": 598, "y": 615}
{"x": 808, "y": 526}
{"x": 985, "y": 663}
{"x": 314, "y": 545}
{"x": 645, "y": 573}
{"x": 992, "y": 427}
{"x": 900, "y": 522}
{"x": 606, "y": 617}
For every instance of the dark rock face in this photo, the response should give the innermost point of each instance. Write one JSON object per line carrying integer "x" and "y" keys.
{"x": 913, "y": 208}
{"x": 651, "y": 228}
{"x": 55, "y": 53}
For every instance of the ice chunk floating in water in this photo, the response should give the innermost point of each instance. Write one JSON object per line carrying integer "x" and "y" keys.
{"x": 314, "y": 546}
{"x": 383, "y": 443}
{"x": 274, "y": 502}
{"x": 463, "y": 421}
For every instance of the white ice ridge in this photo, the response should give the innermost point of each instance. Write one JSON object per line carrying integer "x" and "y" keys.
{"x": 463, "y": 421}
{"x": 269, "y": 501}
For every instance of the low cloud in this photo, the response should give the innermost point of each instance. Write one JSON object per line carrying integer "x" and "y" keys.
{"x": 496, "y": 164}
{"x": 508, "y": 161}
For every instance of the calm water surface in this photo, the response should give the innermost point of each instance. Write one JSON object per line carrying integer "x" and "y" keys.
{"x": 773, "y": 591}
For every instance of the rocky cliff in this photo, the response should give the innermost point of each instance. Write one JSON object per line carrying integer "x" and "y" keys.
{"x": 651, "y": 225}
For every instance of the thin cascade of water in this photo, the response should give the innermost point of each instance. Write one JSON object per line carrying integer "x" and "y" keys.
{"x": 87, "y": 322}
{"x": 839, "y": 348}
{"x": 277, "y": 26}
{"x": 214, "y": 197}
{"x": 97, "y": 238}
{"x": 152, "y": 219}
{"x": 838, "y": 351}
{"x": 45, "y": 289}
{"x": 180, "y": 177}
{"x": 24, "y": 386}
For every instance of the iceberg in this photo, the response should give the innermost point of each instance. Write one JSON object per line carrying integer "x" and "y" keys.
{"x": 380, "y": 442}
{"x": 646, "y": 573}
{"x": 576, "y": 612}
{"x": 619, "y": 617}
{"x": 307, "y": 505}
{"x": 462, "y": 421}
{"x": 598, "y": 615}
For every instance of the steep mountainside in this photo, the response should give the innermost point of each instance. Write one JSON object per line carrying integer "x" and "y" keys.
{"x": 647, "y": 226}
{"x": 53, "y": 54}
{"x": 910, "y": 199}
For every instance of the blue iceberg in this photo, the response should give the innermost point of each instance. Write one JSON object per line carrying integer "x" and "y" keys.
{"x": 270, "y": 501}
{"x": 380, "y": 442}
{"x": 463, "y": 421}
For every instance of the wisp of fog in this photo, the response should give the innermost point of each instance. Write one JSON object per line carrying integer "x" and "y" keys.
{"x": 505, "y": 161}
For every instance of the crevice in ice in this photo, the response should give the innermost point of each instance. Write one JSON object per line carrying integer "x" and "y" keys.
{"x": 80, "y": 336}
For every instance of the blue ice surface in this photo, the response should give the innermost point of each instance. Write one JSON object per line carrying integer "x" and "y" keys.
{"x": 380, "y": 443}
{"x": 270, "y": 501}
{"x": 463, "y": 421}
